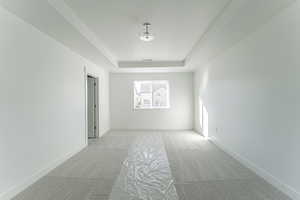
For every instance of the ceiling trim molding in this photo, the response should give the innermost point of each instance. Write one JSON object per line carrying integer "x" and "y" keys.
{"x": 62, "y": 8}
{"x": 151, "y": 64}
{"x": 227, "y": 13}
{"x": 152, "y": 70}
{"x": 206, "y": 32}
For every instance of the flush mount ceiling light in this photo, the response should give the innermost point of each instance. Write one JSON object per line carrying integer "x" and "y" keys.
{"x": 146, "y": 36}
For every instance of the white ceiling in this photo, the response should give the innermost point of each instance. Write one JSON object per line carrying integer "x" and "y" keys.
{"x": 44, "y": 17}
{"x": 106, "y": 32}
{"x": 176, "y": 24}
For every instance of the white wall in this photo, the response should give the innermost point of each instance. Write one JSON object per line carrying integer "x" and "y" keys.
{"x": 42, "y": 103}
{"x": 252, "y": 93}
{"x": 178, "y": 117}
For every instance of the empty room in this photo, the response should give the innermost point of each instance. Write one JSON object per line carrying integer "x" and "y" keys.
{"x": 149, "y": 100}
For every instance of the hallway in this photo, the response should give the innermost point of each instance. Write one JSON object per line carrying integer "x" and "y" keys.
{"x": 173, "y": 165}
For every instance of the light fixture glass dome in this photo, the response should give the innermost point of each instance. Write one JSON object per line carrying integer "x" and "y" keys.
{"x": 146, "y": 35}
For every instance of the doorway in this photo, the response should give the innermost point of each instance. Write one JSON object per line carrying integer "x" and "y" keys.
{"x": 92, "y": 107}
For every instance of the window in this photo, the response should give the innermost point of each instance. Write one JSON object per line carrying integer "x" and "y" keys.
{"x": 151, "y": 94}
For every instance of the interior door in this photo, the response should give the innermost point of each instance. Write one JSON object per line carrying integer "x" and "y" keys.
{"x": 92, "y": 107}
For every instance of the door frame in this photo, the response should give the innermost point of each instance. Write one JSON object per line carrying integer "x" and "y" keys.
{"x": 86, "y": 74}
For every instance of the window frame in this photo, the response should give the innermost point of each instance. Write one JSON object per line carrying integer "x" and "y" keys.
{"x": 166, "y": 82}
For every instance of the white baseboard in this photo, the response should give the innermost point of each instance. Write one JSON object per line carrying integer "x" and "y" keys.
{"x": 13, "y": 191}
{"x": 288, "y": 190}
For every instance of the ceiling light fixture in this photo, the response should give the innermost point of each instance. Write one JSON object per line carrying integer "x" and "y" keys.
{"x": 146, "y": 36}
